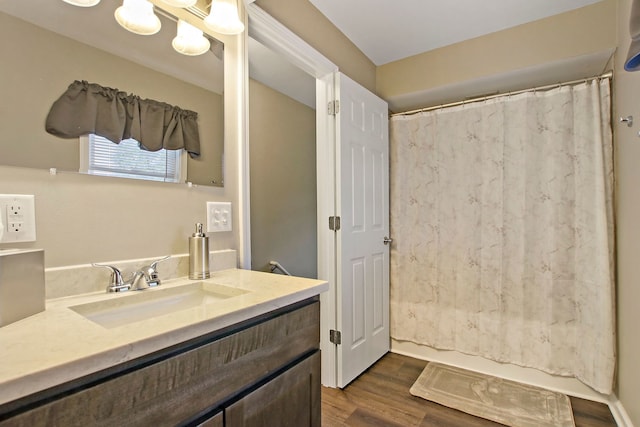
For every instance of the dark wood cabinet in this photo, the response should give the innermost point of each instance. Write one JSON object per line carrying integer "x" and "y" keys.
{"x": 216, "y": 420}
{"x": 262, "y": 372}
{"x": 290, "y": 399}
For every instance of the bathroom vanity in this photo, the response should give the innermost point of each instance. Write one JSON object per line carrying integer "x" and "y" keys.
{"x": 249, "y": 357}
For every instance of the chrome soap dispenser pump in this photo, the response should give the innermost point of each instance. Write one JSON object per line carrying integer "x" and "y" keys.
{"x": 199, "y": 254}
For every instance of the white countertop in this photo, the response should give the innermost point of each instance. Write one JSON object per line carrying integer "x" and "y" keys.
{"x": 59, "y": 345}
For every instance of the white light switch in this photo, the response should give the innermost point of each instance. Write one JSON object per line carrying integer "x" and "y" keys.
{"x": 17, "y": 218}
{"x": 218, "y": 216}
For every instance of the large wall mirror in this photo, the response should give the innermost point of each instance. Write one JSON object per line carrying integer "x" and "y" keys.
{"x": 46, "y": 45}
{"x": 282, "y": 104}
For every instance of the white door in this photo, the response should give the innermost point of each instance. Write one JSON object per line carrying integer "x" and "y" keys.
{"x": 362, "y": 203}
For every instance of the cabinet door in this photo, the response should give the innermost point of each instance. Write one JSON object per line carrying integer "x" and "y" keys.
{"x": 216, "y": 421}
{"x": 291, "y": 399}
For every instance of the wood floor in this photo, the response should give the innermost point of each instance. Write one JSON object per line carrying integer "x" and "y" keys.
{"x": 380, "y": 397}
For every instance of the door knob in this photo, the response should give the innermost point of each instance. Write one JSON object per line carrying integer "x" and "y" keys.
{"x": 387, "y": 240}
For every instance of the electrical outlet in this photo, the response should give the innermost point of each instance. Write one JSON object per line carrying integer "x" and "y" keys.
{"x": 14, "y": 209}
{"x": 15, "y": 227}
{"x": 218, "y": 216}
{"x": 17, "y": 218}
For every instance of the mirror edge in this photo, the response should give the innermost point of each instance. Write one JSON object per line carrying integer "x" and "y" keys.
{"x": 236, "y": 120}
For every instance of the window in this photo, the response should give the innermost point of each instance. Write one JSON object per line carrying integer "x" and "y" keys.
{"x": 100, "y": 156}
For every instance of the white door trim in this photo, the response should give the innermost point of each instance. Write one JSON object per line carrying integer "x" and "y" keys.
{"x": 326, "y": 238}
{"x": 272, "y": 34}
{"x": 244, "y": 183}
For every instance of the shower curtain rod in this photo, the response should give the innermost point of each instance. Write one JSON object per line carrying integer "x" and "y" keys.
{"x": 606, "y": 75}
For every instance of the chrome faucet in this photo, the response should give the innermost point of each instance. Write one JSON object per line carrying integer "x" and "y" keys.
{"x": 118, "y": 284}
{"x": 150, "y": 274}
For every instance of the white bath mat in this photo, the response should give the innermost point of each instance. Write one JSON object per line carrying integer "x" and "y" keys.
{"x": 496, "y": 399}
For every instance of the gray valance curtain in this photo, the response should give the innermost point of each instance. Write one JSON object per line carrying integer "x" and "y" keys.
{"x": 90, "y": 108}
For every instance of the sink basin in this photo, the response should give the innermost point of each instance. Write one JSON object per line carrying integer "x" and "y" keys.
{"x": 143, "y": 305}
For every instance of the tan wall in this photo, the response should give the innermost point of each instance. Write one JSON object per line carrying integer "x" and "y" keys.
{"x": 627, "y": 147}
{"x": 301, "y": 17}
{"x": 82, "y": 219}
{"x": 579, "y": 32}
{"x": 42, "y": 64}
{"x": 283, "y": 182}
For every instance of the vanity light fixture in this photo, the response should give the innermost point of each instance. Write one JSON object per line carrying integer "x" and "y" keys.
{"x": 223, "y": 17}
{"x": 82, "y": 3}
{"x": 137, "y": 16}
{"x": 190, "y": 40}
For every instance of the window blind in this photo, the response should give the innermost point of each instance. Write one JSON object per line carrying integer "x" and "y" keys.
{"x": 127, "y": 160}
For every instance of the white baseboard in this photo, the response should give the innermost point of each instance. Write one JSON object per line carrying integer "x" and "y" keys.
{"x": 569, "y": 386}
{"x": 619, "y": 413}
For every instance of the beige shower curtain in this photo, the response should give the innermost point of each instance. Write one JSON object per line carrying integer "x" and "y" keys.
{"x": 502, "y": 218}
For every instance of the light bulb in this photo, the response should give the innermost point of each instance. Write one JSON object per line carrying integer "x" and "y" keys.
{"x": 190, "y": 40}
{"x": 223, "y": 17}
{"x": 137, "y": 16}
{"x": 82, "y": 3}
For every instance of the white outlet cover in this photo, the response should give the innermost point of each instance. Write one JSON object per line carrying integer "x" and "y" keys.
{"x": 219, "y": 217}
{"x": 17, "y": 218}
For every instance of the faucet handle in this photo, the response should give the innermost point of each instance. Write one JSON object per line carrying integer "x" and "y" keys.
{"x": 154, "y": 263}
{"x": 151, "y": 273}
{"x": 117, "y": 283}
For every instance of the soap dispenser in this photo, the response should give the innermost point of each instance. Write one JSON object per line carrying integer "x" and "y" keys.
{"x": 199, "y": 254}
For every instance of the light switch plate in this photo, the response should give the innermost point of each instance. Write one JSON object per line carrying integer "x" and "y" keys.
{"x": 218, "y": 217}
{"x": 17, "y": 218}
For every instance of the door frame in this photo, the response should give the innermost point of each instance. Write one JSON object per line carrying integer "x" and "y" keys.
{"x": 272, "y": 34}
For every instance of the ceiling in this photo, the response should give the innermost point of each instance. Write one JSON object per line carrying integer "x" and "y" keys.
{"x": 388, "y": 30}
{"x": 384, "y": 30}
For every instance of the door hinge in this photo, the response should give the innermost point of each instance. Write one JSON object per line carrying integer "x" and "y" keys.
{"x": 335, "y": 336}
{"x": 334, "y": 223}
{"x": 333, "y": 107}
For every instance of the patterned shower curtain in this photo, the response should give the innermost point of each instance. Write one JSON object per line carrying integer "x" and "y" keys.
{"x": 502, "y": 218}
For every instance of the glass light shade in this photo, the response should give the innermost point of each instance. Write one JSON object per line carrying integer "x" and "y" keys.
{"x": 223, "y": 17}
{"x": 82, "y": 3}
{"x": 190, "y": 40}
{"x": 180, "y": 3}
{"x": 137, "y": 16}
